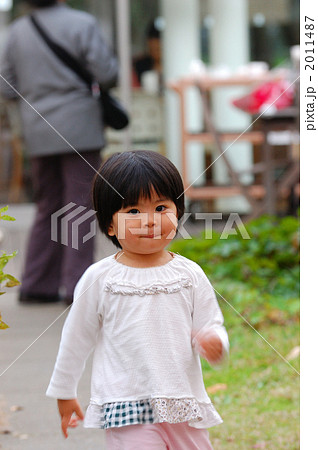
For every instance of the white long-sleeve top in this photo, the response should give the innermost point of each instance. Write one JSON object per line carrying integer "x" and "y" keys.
{"x": 140, "y": 323}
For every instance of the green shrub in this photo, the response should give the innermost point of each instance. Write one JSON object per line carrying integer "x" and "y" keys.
{"x": 9, "y": 280}
{"x": 258, "y": 276}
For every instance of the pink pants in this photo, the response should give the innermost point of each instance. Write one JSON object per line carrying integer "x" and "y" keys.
{"x": 159, "y": 436}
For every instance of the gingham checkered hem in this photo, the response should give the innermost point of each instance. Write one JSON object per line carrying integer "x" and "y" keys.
{"x": 119, "y": 414}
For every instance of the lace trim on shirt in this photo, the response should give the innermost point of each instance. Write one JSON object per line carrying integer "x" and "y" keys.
{"x": 155, "y": 288}
{"x": 173, "y": 410}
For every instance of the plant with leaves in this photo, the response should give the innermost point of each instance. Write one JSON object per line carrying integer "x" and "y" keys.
{"x": 5, "y": 278}
{"x": 259, "y": 275}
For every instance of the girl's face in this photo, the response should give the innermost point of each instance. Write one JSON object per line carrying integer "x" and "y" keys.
{"x": 145, "y": 228}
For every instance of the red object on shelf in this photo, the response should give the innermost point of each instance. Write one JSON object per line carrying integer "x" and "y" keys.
{"x": 278, "y": 94}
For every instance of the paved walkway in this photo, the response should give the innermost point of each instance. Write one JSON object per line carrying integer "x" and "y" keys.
{"x": 28, "y": 419}
{"x": 27, "y": 356}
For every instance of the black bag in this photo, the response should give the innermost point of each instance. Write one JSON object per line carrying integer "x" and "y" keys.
{"x": 113, "y": 113}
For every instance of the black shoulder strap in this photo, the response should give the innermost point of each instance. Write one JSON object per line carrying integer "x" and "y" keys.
{"x": 63, "y": 55}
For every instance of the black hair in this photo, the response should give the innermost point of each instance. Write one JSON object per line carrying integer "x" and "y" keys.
{"x": 41, "y": 3}
{"x": 127, "y": 176}
{"x": 152, "y": 31}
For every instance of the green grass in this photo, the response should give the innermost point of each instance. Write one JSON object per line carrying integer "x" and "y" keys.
{"x": 259, "y": 278}
{"x": 260, "y": 406}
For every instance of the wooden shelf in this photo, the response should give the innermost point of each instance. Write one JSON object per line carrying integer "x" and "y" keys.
{"x": 257, "y": 191}
{"x": 254, "y": 137}
{"x": 208, "y": 82}
{"x": 260, "y": 197}
{"x": 214, "y": 192}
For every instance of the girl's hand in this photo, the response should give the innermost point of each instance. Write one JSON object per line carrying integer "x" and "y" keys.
{"x": 208, "y": 344}
{"x": 71, "y": 413}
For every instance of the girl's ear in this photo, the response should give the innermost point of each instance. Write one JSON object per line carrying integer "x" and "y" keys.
{"x": 110, "y": 230}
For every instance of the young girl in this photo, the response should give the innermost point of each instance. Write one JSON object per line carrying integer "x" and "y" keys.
{"x": 148, "y": 314}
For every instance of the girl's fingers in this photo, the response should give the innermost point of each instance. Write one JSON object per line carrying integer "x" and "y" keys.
{"x": 73, "y": 422}
{"x": 70, "y": 412}
{"x": 70, "y": 422}
{"x": 208, "y": 344}
{"x": 64, "y": 424}
{"x": 79, "y": 413}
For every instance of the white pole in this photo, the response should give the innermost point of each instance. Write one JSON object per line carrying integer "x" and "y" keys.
{"x": 230, "y": 47}
{"x": 181, "y": 45}
{"x": 4, "y": 21}
{"x": 124, "y": 56}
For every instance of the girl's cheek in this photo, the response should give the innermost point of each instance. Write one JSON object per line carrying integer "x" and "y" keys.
{"x": 171, "y": 235}
{"x": 170, "y": 223}
{"x": 172, "y": 218}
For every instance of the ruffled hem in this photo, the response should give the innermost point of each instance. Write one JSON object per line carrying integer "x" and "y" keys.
{"x": 197, "y": 414}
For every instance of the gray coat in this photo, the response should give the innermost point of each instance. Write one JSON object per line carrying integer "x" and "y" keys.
{"x": 52, "y": 89}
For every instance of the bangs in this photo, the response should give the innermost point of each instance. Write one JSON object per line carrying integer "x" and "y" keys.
{"x": 140, "y": 181}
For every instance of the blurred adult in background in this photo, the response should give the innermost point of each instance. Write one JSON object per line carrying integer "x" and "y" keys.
{"x": 63, "y": 159}
{"x": 151, "y": 61}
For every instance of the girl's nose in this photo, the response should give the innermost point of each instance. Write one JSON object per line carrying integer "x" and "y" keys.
{"x": 150, "y": 220}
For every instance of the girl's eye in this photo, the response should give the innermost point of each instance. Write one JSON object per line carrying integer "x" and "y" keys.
{"x": 160, "y": 208}
{"x": 133, "y": 211}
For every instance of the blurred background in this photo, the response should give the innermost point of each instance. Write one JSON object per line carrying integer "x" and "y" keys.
{"x": 159, "y": 42}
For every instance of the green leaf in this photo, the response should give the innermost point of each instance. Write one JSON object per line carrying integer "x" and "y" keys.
{"x": 13, "y": 282}
{"x": 4, "y": 259}
{"x": 6, "y": 217}
{"x": 3, "y": 325}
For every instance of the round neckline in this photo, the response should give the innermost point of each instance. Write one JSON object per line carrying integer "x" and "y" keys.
{"x": 146, "y": 268}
